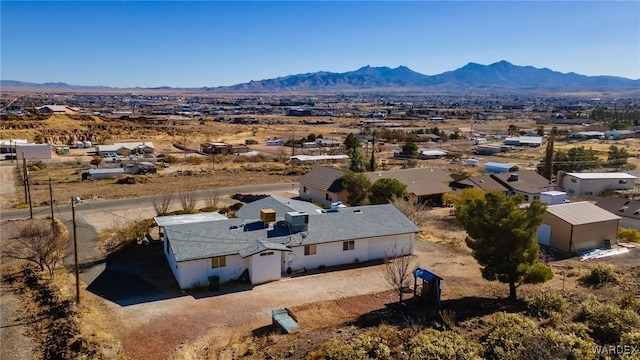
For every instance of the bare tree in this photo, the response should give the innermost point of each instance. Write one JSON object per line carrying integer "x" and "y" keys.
{"x": 415, "y": 211}
{"x": 213, "y": 199}
{"x": 162, "y": 203}
{"x": 188, "y": 200}
{"x": 39, "y": 242}
{"x": 397, "y": 269}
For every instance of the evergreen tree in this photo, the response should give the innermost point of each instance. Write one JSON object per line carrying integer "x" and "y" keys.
{"x": 502, "y": 237}
{"x": 618, "y": 156}
{"x": 409, "y": 149}
{"x": 357, "y": 162}
{"x": 358, "y": 186}
{"x": 547, "y": 165}
{"x": 383, "y": 190}
{"x": 351, "y": 142}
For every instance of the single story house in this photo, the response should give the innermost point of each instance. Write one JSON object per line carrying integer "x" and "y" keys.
{"x": 627, "y": 209}
{"x": 532, "y": 141}
{"x": 619, "y": 134}
{"x": 527, "y": 183}
{"x": 225, "y": 249}
{"x": 423, "y": 184}
{"x": 323, "y": 185}
{"x": 316, "y": 159}
{"x": 594, "y": 184}
{"x": 57, "y": 109}
{"x": 577, "y": 227}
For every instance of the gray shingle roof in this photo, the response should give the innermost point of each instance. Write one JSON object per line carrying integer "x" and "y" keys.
{"x": 325, "y": 178}
{"x": 228, "y": 237}
{"x": 529, "y": 181}
{"x": 620, "y": 206}
{"x": 420, "y": 181}
{"x": 280, "y": 205}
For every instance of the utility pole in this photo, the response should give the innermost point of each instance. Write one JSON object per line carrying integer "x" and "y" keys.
{"x": 293, "y": 140}
{"x": 24, "y": 177}
{"x": 53, "y": 222}
{"x": 27, "y": 189}
{"x": 74, "y": 200}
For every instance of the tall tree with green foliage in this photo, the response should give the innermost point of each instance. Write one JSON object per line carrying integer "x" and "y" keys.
{"x": 372, "y": 163}
{"x": 383, "y": 190}
{"x": 358, "y": 186}
{"x": 357, "y": 162}
{"x": 547, "y": 165}
{"x": 576, "y": 159}
{"x": 618, "y": 156}
{"x": 502, "y": 237}
{"x": 409, "y": 149}
{"x": 352, "y": 142}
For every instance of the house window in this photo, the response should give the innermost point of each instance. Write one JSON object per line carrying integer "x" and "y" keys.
{"x": 348, "y": 245}
{"x": 573, "y": 180}
{"x": 570, "y": 192}
{"x": 310, "y": 249}
{"x": 266, "y": 253}
{"x": 622, "y": 182}
{"x": 305, "y": 190}
{"x": 327, "y": 197}
{"x": 526, "y": 198}
{"x": 219, "y": 261}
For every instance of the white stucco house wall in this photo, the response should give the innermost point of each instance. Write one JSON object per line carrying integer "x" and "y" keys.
{"x": 301, "y": 240}
{"x": 594, "y": 184}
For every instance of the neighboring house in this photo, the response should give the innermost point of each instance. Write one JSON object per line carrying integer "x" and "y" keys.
{"x": 483, "y": 182}
{"x": 323, "y": 185}
{"x": 265, "y": 249}
{"x": 627, "y": 209}
{"x": 125, "y": 148}
{"x": 532, "y": 141}
{"x": 527, "y": 183}
{"x": 594, "y": 184}
{"x": 423, "y": 184}
{"x": 57, "y": 109}
{"x": 577, "y": 227}
{"x": 316, "y": 159}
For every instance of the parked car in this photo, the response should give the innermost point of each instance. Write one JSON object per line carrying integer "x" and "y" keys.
{"x": 148, "y": 156}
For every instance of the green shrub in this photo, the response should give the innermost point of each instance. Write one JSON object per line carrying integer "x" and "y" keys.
{"x": 194, "y": 160}
{"x": 514, "y": 337}
{"x": 629, "y": 301}
{"x": 444, "y": 345}
{"x": 171, "y": 159}
{"x": 630, "y": 235}
{"x": 601, "y": 274}
{"x": 607, "y": 321}
{"x": 545, "y": 303}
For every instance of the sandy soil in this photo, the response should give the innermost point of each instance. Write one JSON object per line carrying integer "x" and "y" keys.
{"x": 8, "y": 186}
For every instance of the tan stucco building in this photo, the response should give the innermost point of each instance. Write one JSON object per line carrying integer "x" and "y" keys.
{"x": 577, "y": 227}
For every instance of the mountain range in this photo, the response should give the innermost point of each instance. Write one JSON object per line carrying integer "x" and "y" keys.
{"x": 501, "y": 76}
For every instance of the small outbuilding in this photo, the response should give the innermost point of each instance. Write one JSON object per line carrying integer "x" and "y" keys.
{"x": 498, "y": 168}
{"x": 430, "y": 291}
{"x": 578, "y": 227}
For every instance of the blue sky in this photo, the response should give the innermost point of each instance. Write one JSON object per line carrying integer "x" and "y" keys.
{"x": 214, "y": 43}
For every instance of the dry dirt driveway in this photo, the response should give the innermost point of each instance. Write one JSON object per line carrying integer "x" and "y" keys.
{"x": 154, "y": 329}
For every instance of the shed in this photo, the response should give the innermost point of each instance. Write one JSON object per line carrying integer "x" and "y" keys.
{"x": 497, "y": 168}
{"x": 430, "y": 286}
{"x": 97, "y": 174}
{"x": 578, "y": 227}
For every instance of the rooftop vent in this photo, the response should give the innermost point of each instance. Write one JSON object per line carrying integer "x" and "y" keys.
{"x": 357, "y": 211}
{"x": 513, "y": 177}
{"x": 623, "y": 209}
{"x": 267, "y": 215}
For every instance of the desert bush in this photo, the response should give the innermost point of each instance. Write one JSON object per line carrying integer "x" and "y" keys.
{"x": 545, "y": 303}
{"x": 434, "y": 344}
{"x": 607, "y": 321}
{"x": 631, "y": 339}
{"x": 514, "y": 337}
{"x": 629, "y": 301}
{"x": 120, "y": 236}
{"x": 171, "y": 159}
{"x": 194, "y": 160}
{"x": 628, "y": 234}
{"x": 599, "y": 275}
